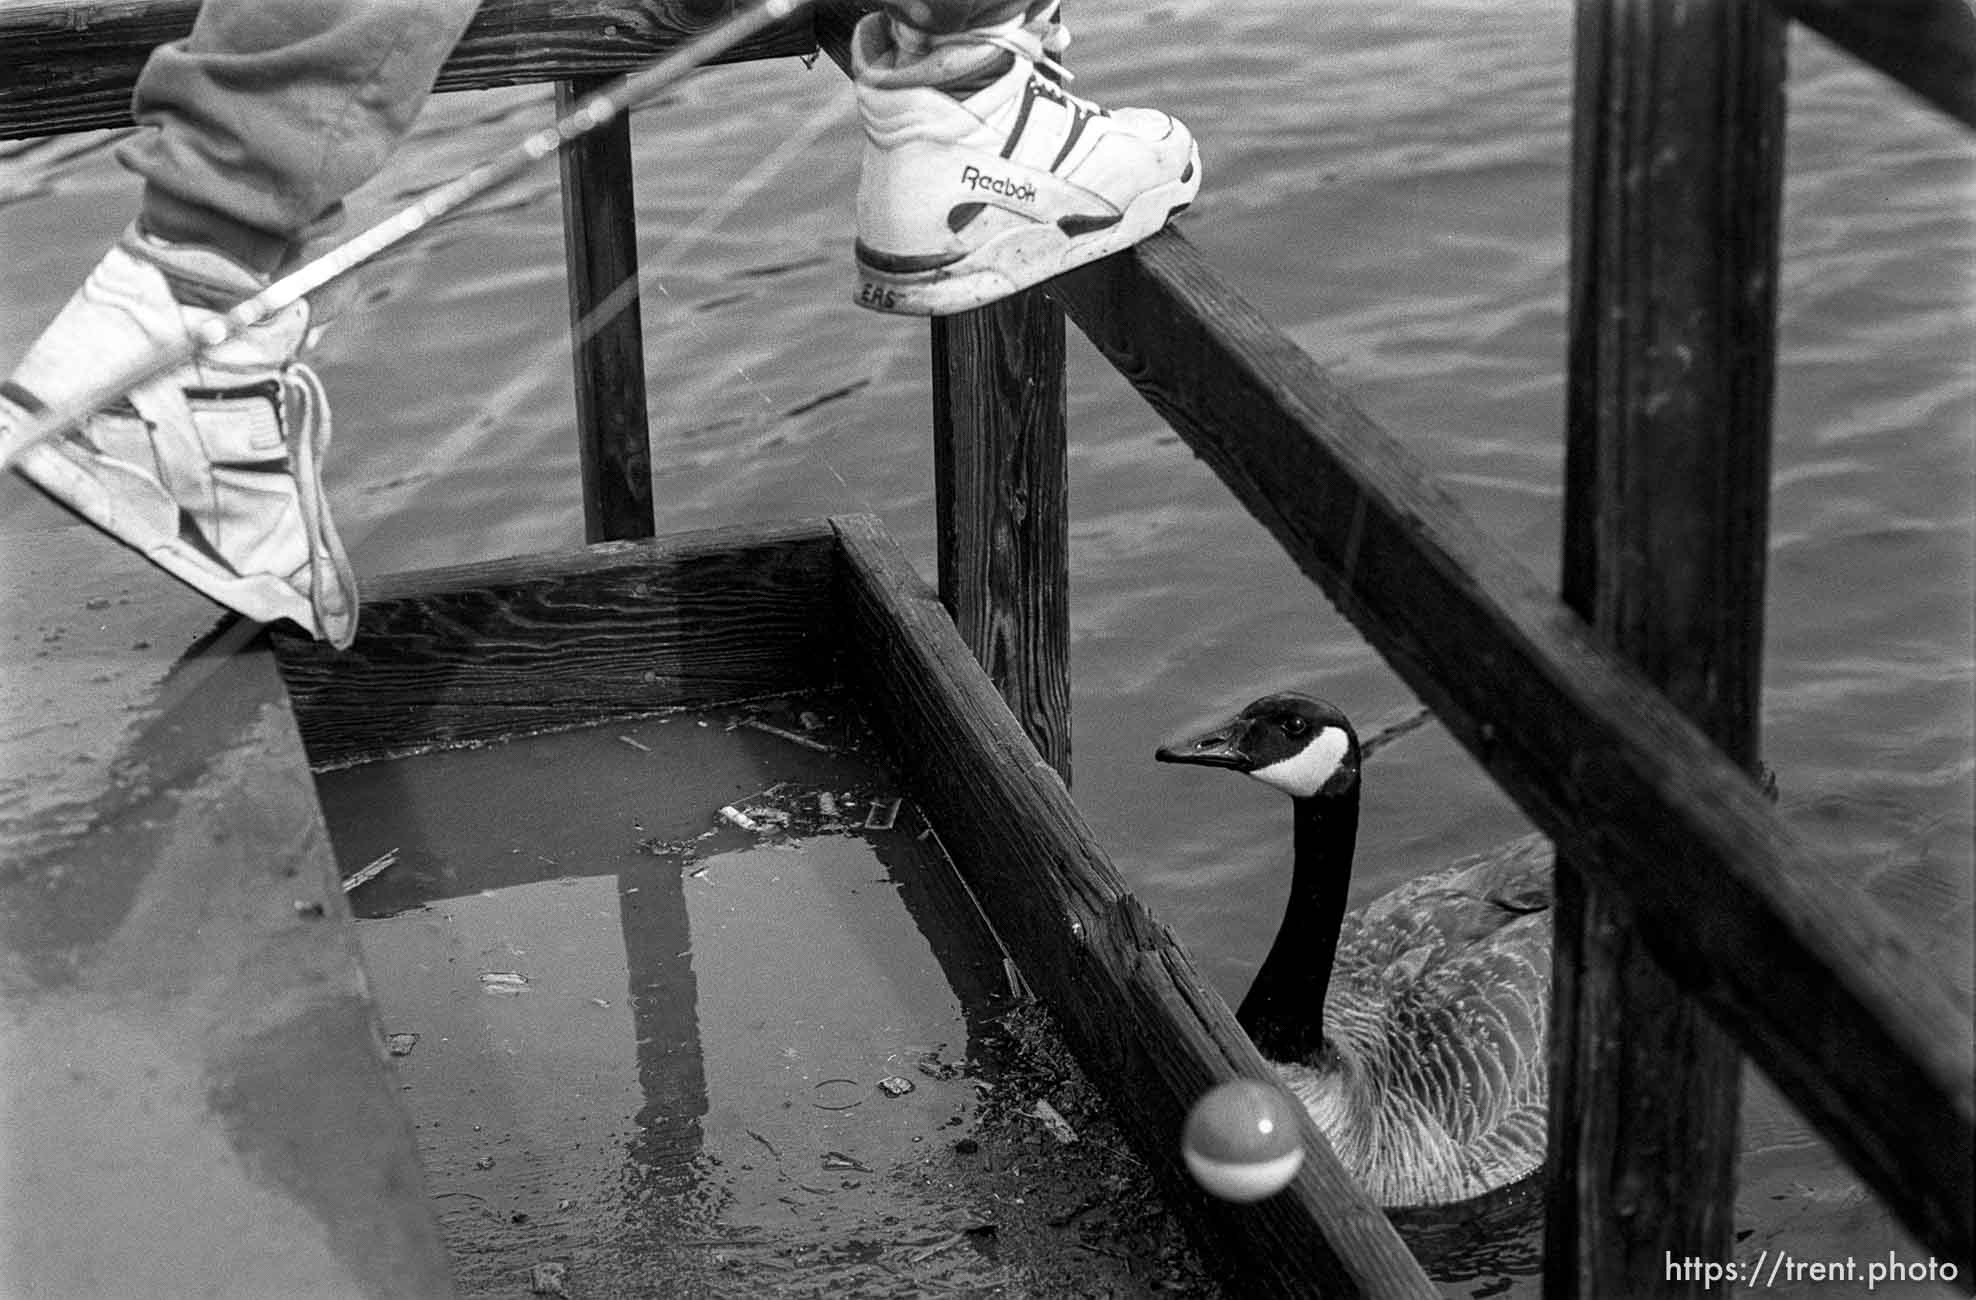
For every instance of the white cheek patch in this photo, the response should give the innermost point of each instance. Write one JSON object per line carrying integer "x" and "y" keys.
{"x": 1304, "y": 773}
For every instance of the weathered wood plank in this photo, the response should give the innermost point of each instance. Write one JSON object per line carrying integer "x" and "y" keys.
{"x": 600, "y": 254}
{"x": 1001, "y": 477}
{"x": 67, "y": 66}
{"x": 1815, "y": 984}
{"x": 1140, "y": 1017}
{"x": 480, "y": 651}
{"x": 1677, "y": 182}
{"x": 195, "y": 1087}
{"x": 1001, "y": 483}
{"x": 1928, "y": 46}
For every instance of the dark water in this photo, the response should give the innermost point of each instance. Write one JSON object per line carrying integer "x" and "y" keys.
{"x": 653, "y": 1045}
{"x": 690, "y": 1009}
{"x": 1387, "y": 183}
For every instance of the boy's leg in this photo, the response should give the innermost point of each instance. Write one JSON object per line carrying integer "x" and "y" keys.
{"x": 269, "y": 113}
{"x": 982, "y": 175}
{"x": 261, "y": 121}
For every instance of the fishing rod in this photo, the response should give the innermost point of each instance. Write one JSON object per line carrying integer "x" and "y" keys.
{"x": 595, "y": 110}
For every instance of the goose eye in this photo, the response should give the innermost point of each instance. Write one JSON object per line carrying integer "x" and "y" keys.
{"x": 1294, "y": 726}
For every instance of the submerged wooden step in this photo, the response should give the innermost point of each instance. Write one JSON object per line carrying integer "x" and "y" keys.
{"x": 195, "y": 1093}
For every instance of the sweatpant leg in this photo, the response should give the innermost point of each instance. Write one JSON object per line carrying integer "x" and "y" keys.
{"x": 271, "y": 111}
{"x": 942, "y": 16}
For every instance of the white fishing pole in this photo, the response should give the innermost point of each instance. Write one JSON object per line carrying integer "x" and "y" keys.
{"x": 596, "y": 110}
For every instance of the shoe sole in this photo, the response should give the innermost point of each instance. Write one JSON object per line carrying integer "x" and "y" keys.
{"x": 1020, "y": 258}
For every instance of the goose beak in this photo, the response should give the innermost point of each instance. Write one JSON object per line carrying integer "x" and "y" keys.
{"x": 1221, "y": 747}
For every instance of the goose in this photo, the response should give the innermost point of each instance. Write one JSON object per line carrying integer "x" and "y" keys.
{"x": 1412, "y": 1028}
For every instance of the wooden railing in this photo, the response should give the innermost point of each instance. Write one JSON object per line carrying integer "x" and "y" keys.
{"x": 1683, "y": 887}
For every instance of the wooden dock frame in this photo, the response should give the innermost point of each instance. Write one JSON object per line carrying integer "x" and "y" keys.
{"x": 1831, "y": 1002}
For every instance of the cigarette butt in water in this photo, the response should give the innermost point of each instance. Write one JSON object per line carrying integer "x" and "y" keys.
{"x": 738, "y": 818}
{"x": 372, "y": 871}
{"x": 1053, "y": 1121}
{"x": 783, "y": 733}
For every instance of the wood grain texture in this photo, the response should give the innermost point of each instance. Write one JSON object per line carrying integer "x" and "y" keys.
{"x": 68, "y": 66}
{"x": 1677, "y": 186}
{"x": 1773, "y": 938}
{"x": 600, "y": 254}
{"x": 1928, "y": 46}
{"x": 483, "y": 651}
{"x": 1141, "y": 1019}
{"x": 196, "y": 1094}
{"x": 1002, "y": 496}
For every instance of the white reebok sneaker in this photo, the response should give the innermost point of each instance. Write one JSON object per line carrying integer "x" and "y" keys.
{"x": 966, "y": 201}
{"x": 213, "y": 471}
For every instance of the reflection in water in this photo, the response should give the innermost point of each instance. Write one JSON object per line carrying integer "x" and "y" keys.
{"x": 654, "y": 1045}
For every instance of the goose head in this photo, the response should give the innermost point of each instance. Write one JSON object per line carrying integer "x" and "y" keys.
{"x": 1302, "y": 746}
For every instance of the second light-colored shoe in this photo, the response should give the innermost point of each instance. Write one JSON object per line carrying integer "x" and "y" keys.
{"x": 213, "y": 471}
{"x": 963, "y": 201}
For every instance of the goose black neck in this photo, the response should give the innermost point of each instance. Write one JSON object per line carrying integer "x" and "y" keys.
{"x": 1284, "y": 1009}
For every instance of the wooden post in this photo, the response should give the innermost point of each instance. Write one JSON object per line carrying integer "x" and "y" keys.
{"x": 1678, "y": 142}
{"x": 1001, "y": 487}
{"x": 600, "y": 249}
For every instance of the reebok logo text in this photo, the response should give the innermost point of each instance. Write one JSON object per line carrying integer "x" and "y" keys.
{"x": 976, "y": 179}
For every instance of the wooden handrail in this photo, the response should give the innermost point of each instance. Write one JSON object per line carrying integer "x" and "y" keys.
{"x": 71, "y": 67}
{"x": 1821, "y": 990}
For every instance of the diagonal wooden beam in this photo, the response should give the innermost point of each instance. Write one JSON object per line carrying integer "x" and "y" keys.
{"x": 1928, "y": 46}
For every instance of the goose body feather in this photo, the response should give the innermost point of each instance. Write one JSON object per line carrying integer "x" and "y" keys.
{"x": 1431, "y": 1086}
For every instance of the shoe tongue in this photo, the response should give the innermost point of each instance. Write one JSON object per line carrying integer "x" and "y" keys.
{"x": 960, "y": 69}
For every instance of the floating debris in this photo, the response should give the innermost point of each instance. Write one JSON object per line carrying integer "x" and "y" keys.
{"x": 660, "y": 847}
{"x": 371, "y": 872}
{"x": 736, "y": 817}
{"x": 882, "y": 814}
{"x": 505, "y": 982}
{"x": 826, "y": 804}
{"x": 933, "y": 1067}
{"x": 1053, "y": 1121}
{"x": 485, "y": 1162}
{"x": 895, "y": 1085}
{"x": 809, "y": 721}
{"x": 401, "y": 1044}
{"x": 549, "y": 1279}
{"x": 636, "y": 744}
{"x": 838, "y": 1160}
{"x": 782, "y": 733}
